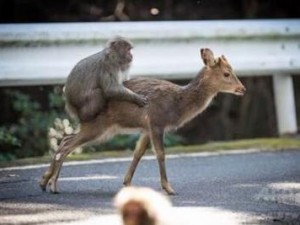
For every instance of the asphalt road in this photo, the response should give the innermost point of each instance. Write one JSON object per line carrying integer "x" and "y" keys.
{"x": 255, "y": 187}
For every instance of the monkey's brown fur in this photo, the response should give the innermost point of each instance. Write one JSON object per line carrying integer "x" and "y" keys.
{"x": 95, "y": 79}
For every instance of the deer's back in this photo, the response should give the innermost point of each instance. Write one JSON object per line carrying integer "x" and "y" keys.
{"x": 154, "y": 89}
{"x": 162, "y": 108}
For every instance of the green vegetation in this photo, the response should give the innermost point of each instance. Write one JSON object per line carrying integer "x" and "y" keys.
{"x": 259, "y": 143}
{"x": 27, "y": 136}
{"x": 39, "y": 129}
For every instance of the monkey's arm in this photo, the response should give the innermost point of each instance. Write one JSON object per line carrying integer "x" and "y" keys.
{"x": 112, "y": 89}
{"x": 124, "y": 94}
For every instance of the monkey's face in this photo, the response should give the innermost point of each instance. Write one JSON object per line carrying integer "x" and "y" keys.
{"x": 126, "y": 54}
{"x": 122, "y": 49}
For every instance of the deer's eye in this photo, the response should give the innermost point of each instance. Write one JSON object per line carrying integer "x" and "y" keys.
{"x": 226, "y": 74}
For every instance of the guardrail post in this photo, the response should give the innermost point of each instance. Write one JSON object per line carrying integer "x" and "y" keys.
{"x": 285, "y": 103}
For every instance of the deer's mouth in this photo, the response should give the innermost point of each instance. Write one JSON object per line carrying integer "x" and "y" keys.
{"x": 240, "y": 91}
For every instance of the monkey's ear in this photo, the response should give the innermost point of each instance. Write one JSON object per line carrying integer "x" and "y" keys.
{"x": 113, "y": 44}
{"x": 207, "y": 56}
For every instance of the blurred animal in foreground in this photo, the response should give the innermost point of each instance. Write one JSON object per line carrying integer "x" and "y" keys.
{"x": 170, "y": 107}
{"x": 144, "y": 206}
{"x": 141, "y": 206}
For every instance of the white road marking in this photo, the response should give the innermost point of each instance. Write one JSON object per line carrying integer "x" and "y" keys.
{"x": 96, "y": 177}
{"x": 146, "y": 157}
{"x": 285, "y": 193}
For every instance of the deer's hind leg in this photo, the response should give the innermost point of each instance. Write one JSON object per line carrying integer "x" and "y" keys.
{"x": 67, "y": 145}
{"x": 50, "y": 171}
{"x": 139, "y": 151}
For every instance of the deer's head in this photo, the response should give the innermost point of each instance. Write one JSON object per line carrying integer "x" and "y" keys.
{"x": 219, "y": 74}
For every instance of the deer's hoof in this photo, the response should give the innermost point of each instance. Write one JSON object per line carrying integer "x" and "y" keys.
{"x": 53, "y": 186}
{"x": 169, "y": 190}
{"x": 126, "y": 183}
{"x": 53, "y": 190}
{"x": 42, "y": 185}
{"x": 43, "y": 188}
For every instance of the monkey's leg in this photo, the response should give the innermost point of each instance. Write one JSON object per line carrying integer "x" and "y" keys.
{"x": 48, "y": 174}
{"x": 139, "y": 151}
{"x": 92, "y": 106}
{"x": 124, "y": 94}
{"x": 158, "y": 145}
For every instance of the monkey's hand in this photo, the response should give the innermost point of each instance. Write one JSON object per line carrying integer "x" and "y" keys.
{"x": 141, "y": 101}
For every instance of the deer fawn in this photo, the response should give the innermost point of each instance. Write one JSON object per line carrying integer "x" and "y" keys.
{"x": 170, "y": 106}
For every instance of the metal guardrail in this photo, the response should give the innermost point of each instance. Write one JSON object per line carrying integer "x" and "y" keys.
{"x": 43, "y": 54}
{"x": 149, "y": 30}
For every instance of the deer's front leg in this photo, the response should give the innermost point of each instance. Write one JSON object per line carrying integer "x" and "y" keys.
{"x": 158, "y": 145}
{"x": 139, "y": 151}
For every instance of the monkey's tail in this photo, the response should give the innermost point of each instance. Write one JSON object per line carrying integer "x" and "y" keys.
{"x": 71, "y": 110}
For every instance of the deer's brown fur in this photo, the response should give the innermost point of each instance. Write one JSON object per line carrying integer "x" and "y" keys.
{"x": 170, "y": 106}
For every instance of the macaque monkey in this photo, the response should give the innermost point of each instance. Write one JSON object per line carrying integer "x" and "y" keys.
{"x": 142, "y": 206}
{"x": 97, "y": 79}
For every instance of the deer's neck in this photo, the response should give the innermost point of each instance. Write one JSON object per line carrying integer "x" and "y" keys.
{"x": 195, "y": 98}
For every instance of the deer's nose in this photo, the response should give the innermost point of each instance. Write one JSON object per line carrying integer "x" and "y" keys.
{"x": 243, "y": 89}
{"x": 240, "y": 90}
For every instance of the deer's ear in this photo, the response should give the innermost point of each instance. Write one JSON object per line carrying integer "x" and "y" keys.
{"x": 207, "y": 56}
{"x": 222, "y": 60}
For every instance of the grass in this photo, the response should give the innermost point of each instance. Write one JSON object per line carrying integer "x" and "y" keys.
{"x": 259, "y": 143}
{"x": 263, "y": 144}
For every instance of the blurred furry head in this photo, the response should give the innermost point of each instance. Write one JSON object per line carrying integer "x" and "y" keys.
{"x": 141, "y": 206}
